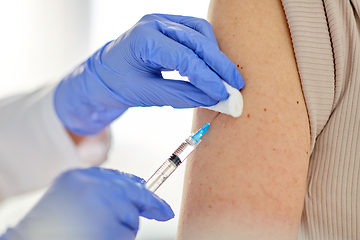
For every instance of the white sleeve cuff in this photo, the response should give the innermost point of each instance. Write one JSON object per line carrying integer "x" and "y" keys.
{"x": 35, "y": 147}
{"x": 92, "y": 151}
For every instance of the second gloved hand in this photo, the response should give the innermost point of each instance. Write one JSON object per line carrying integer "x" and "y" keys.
{"x": 127, "y": 73}
{"x": 91, "y": 204}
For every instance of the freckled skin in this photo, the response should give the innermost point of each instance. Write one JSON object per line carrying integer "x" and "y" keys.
{"x": 256, "y": 168}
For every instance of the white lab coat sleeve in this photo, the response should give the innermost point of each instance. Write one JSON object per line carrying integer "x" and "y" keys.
{"x": 35, "y": 147}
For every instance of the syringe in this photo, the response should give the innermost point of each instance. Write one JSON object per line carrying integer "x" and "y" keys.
{"x": 179, "y": 156}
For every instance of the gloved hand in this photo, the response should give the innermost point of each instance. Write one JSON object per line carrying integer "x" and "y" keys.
{"x": 91, "y": 204}
{"x": 127, "y": 73}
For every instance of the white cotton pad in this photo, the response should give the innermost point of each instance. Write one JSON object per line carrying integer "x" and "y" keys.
{"x": 233, "y": 105}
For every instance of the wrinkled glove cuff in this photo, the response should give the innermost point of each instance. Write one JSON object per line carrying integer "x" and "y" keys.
{"x": 12, "y": 234}
{"x": 84, "y": 103}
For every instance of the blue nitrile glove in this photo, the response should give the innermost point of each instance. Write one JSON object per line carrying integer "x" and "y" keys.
{"x": 91, "y": 204}
{"x": 127, "y": 73}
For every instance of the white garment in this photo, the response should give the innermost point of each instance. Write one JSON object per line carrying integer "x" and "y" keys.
{"x": 34, "y": 146}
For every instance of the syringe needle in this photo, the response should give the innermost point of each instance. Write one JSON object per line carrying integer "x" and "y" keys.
{"x": 180, "y": 154}
{"x": 214, "y": 117}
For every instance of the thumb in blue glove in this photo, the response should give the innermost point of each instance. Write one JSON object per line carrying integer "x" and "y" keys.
{"x": 91, "y": 204}
{"x": 127, "y": 73}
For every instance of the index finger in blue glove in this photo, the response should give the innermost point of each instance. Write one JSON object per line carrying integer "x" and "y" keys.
{"x": 200, "y": 25}
{"x": 124, "y": 196}
{"x": 205, "y": 49}
{"x": 169, "y": 54}
{"x": 132, "y": 187}
{"x": 148, "y": 204}
{"x": 113, "y": 172}
{"x": 125, "y": 187}
{"x": 174, "y": 57}
{"x": 154, "y": 90}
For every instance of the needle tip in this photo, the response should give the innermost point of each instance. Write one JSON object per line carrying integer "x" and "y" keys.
{"x": 214, "y": 117}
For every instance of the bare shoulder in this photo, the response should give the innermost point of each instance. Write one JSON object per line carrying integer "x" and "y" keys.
{"x": 247, "y": 178}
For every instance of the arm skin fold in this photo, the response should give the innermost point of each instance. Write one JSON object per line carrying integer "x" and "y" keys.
{"x": 247, "y": 178}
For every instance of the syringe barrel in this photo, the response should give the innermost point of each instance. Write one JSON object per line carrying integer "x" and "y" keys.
{"x": 184, "y": 150}
{"x": 160, "y": 175}
{"x": 169, "y": 166}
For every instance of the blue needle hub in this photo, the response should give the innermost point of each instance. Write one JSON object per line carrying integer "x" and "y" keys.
{"x": 197, "y": 136}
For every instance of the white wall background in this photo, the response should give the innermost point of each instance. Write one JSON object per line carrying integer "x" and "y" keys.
{"x": 42, "y": 40}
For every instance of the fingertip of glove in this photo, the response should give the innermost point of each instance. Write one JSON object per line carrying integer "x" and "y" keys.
{"x": 168, "y": 211}
{"x": 135, "y": 178}
{"x": 216, "y": 92}
{"x": 236, "y": 81}
{"x": 224, "y": 94}
{"x": 241, "y": 81}
{"x": 160, "y": 210}
{"x": 167, "y": 217}
{"x": 124, "y": 175}
{"x": 158, "y": 213}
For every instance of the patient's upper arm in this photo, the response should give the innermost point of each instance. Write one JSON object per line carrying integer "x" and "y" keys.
{"x": 247, "y": 179}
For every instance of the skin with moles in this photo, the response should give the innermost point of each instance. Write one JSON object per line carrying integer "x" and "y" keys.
{"x": 247, "y": 178}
